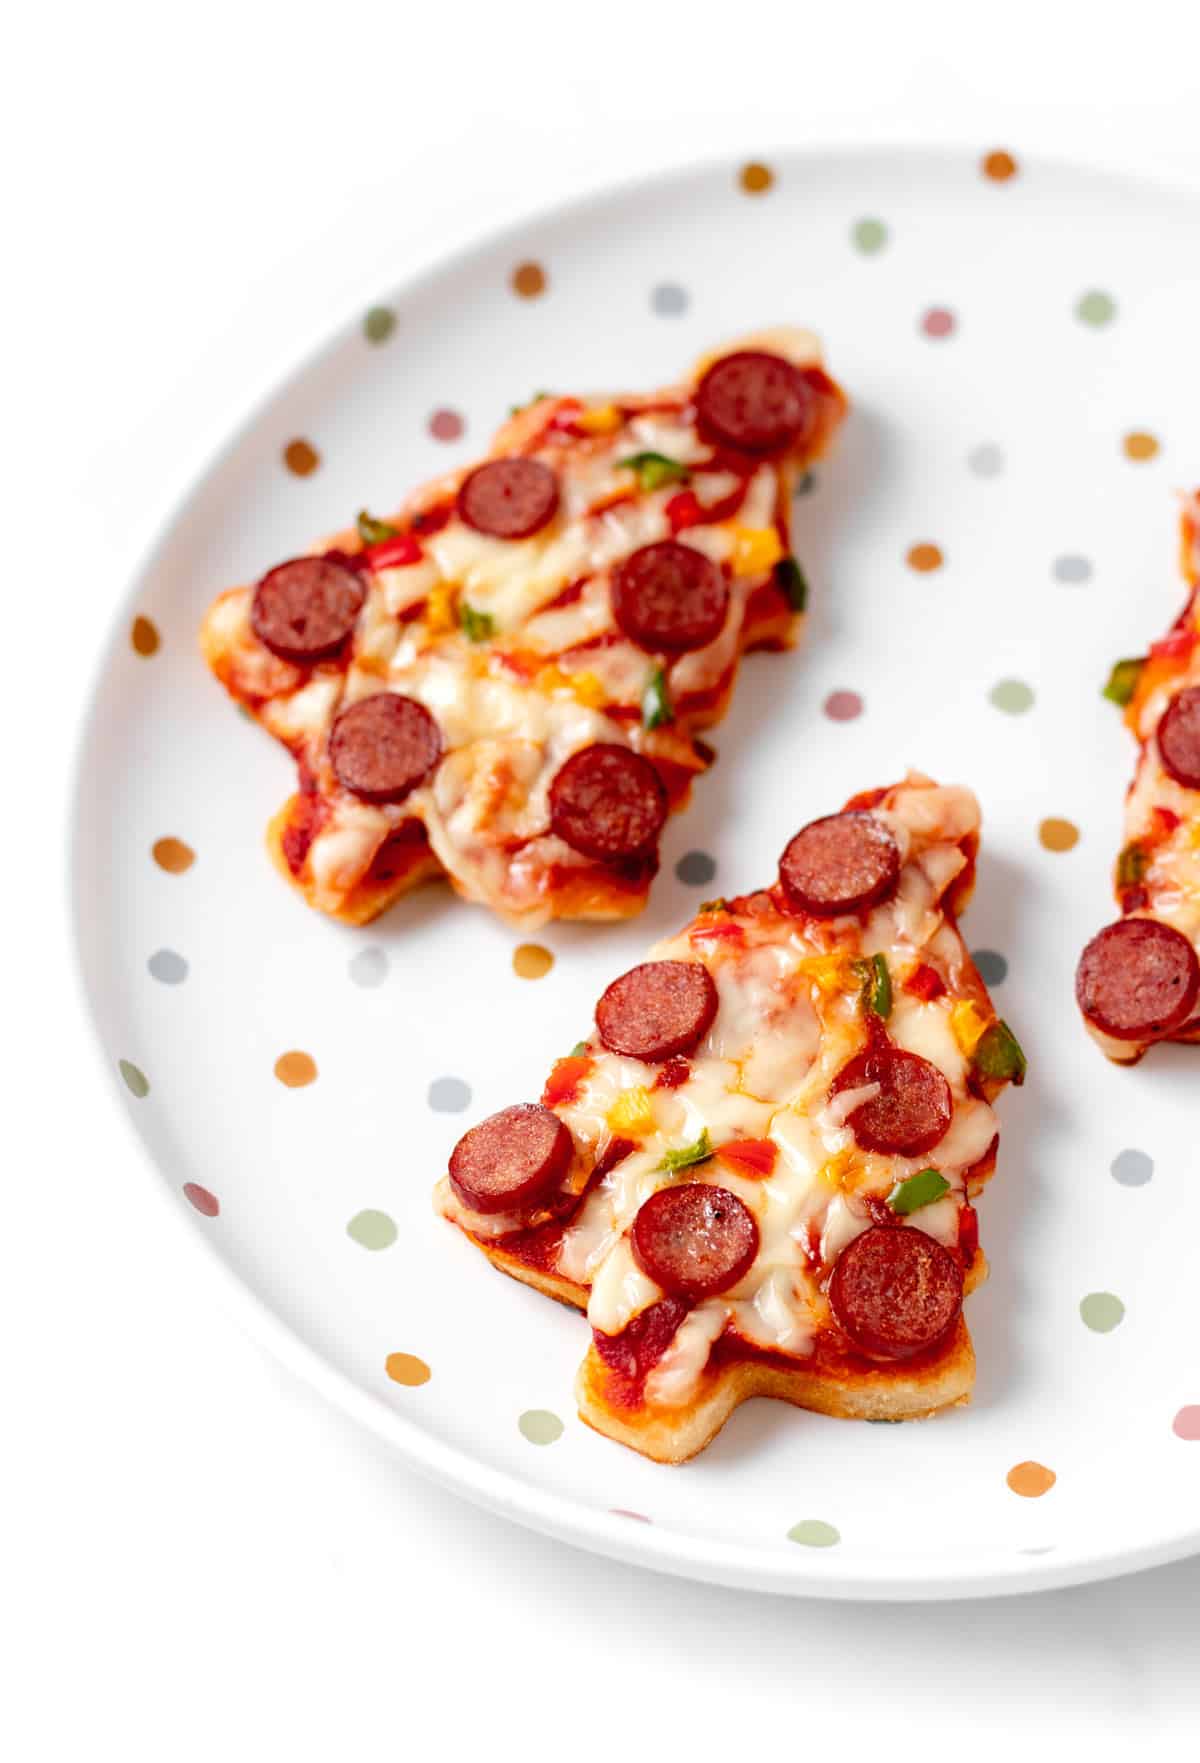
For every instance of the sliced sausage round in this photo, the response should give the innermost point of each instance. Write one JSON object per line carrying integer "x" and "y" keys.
{"x": 511, "y": 1160}
{"x": 669, "y": 597}
{"x": 896, "y": 1291}
{"x": 608, "y": 802}
{"x": 844, "y": 863}
{"x": 1137, "y": 979}
{"x": 384, "y": 746}
{"x": 755, "y": 402}
{"x": 1179, "y": 738}
{"x": 694, "y": 1240}
{"x": 911, "y": 1111}
{"x": 508, "y": 498}
{"x": 304, "y": 610}
{"x": 657, "y": 1010}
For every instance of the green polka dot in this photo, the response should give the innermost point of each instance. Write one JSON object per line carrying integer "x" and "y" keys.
{"x": 814, "y": 1533}
{"x": 1096, "y": 307}
{"x": 869, "y": 236}
{"x": 539, "y": 1426}
{"x": 374, "y": 1230}
{"x": 1012, "y": 696}
{"x": 1101, "y": 1311}
{"x": 136, "y": 1082}
{"x": 379, "y": 324}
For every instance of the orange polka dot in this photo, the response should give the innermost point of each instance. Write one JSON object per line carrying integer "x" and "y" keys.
{"x": 172, "y": 855}
{"x": 529, "y": 280}
{"x": 999, "y": 166}
{"x": 1139, "y": 445}
{"x": 407, "y": 1369}
{"x": 296, "y": 1069}
{"x": 1030, "y": 1480}
{"x": 531, "y": 961}
{"x": 924, "y": 557}
{"x": 756, "y": 178}
{"x": 1058, "y": 835}
{"x": 144, "y": 636}
{"x": 301, "y": 458}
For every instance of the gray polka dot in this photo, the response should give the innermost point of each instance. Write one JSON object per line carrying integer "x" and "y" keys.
{"x": 696, "y": 868}
{"x": 1071, "y": 568}
{"x": 168, "y": 967}
{"x": 449, "y": 1095}
{"x": 669, "y": 300}
{"x": 1132, "y": 1169}
{"x": 986, "y": 460}
{"x": 991, "y": 964}
{"x": 368, "y": 968}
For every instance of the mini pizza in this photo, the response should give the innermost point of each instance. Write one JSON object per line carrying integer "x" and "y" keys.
{"x": 757, "y": 1174}
{"x": 1138, "y": 980}
{"x": 505, "y": 681}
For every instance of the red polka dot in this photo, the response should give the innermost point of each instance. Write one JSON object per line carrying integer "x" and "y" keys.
{"x": 937, "y": 322}
{"x": 1186, "y": 1424}
{"x": 446, "y": 425}
{"x": 843, "y": 706}
{"x": 201, "y": 1199}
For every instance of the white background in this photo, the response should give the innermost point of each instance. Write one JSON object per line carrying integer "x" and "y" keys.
{"x": 200, "y": 1560}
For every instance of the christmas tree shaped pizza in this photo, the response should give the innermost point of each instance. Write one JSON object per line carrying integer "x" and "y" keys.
{"x": 1138, "y": 980}
{"x": 504, "y": 682}
{"x": 756, "y": 1175}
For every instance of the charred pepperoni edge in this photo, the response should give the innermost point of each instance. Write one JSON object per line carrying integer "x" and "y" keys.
{"x": 861, "y": 1069}
{"x": 629, "y": 1357}
{"x": 681, "y": 994}
{"x": 870, "y": 1336}
{"x": 718, "y": 423}
{"x": 1110, "y": 940}
{"x": 877, "y": 842}
{"x": 484, "y": 1145}
{"x": 416, "y": 727}
{"x": 603, "y": 844}
{"x": 308, "y": 654}
{"x": 482, "y": 501}
{"x": 692, "y": 615}
{"x": 676, "y": 1212}
{"x": 1183, "y": 710}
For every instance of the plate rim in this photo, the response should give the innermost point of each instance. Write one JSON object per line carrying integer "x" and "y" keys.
{"x": 750, "y": 1566}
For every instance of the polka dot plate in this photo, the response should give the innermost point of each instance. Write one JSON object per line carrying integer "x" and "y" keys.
{"x": 997, "y": 526}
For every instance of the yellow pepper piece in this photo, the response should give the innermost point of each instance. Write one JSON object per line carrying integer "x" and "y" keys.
{"x": 439, "y": 609}
{"x": 833, "y": 1172}
{"x": 755, "y": 549}
{"x": 601, "y": 419}
{"x": 632, "y": 1112}
{"x": 589, "y": 688}
{"x": 830, "y": 974}
{"x": 969, "y": 1024}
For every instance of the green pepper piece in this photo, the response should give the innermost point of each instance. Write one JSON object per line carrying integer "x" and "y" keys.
{"x": 656, "y": 701}
{"x": 478, "y": 626}
{"x": 998, "y": 1054}
{"x": 653, "y": 470}
{"x": 372, "y": 531}
{"x": 720, "y": 904}
{"x": 917, "y": 1191}
{"x": 700, "y": 1152}
{"x": 876, "y": 985}
{"x": 1122, "y": 681}
{"x": 579, "y": 1049}
{"x": 536, "y": 398}
{"x": 790, "y": 578}
{"x": 1131, "y": 865}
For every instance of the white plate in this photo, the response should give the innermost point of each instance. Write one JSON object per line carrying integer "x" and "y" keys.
{"x": 1001, "y": 442}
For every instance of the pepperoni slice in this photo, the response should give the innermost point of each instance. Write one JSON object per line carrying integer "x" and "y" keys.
{"x": 511, "y": 1160}
{"x": 669, "y": 597}
{"x": 896, "y": 1291}
{"x": 1179, "y": 738}
{"x": 1137, "y": 979}
{"x": 694, "y": 1240}
{"x": 657, "y": 1010}
{"x": 384, "y": 746}
{"x": 304, "y": 610}
{"x": 608, "y": 802}
{"x": 912, "y": 1110}
{"x": 755, "y": 402}
{"x": 508, "y": 498}
{"x": 844, "y": 863}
